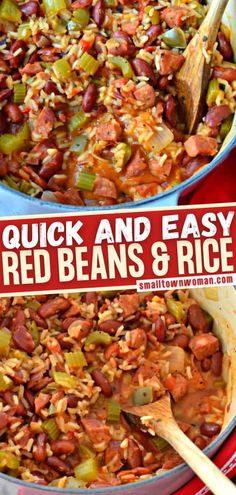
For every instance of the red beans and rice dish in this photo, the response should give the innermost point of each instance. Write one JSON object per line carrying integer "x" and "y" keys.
{"x": 68, "y": 363}
{"x": 89, "y": 113}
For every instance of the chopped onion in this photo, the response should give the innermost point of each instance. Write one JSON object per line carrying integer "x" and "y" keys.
{"x": 159, "y": 140}
{"x": 176, "y": 358}
{"x": 49, "y": 196}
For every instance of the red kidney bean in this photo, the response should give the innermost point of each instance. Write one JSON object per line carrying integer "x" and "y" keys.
{"x": 170, "y": 111}
{"x": 59, "y": 465}
{"x": 53, "y": 306}
{"x": 181, "y": 340}
{"x": 51, "y": 87}
{"x": 160, "y": 329}
{"x": 200, "y": 442}
{"x": 30, "y": 399}
{"x": 13, "y": 112}
{"x": 3, "y": 123}
{"x": 5, "y": 94}
{"x": 18, "y": 409}
{"x": 40, "y": 453}
{"x": 152, "y": 33}
{"x": 98, "y": 13}
{"x": 124, "y": 44}
{"x": 57, "y": 183}
{"x": 60, "y": 447}
{"x": 3, "y": 420}
{"x": 196, "y": 318}
{"x": 23, "y": 339}
{"x": 72, "y": 401}
{"x": 38, "y": 381}
{"x": 224, "y": 46}
{"x": 227, "y": 73}
{"x": 216, "y": 115}
{"x": 216, "y": 363}
{"x": 142, "y": 68}
{"x": 91, "y": 297}
{"x": 209, "y": 429}
{"x": 110, "y": 326}
{"x": 62, "y": 341}
{"x": 51, "y": 165}
{"x": 3, "y": 79}
{"x": 29, "y": 8}
{"x": 34, "y": 316}
{"x": 193, "y": 165}
{"x": 163, "y": 82}
{"x": 102, "y": 382}
{"x": 19, "y": 377}
{"x": 99, "y": 41}
{"x": 206, "y": 364}
{"x": 16, "y": 76}
{"x": 134, "y": 458}
{"x": 33, "y": 57}
{"x": 19, "y": 319}
{"x": 89, "y": 98}
{"x": 16, "y": 60}
{"x": 67, "y": 322}
{"x": 85, "y": 327}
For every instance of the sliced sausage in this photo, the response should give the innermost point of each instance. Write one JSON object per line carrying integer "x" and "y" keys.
{"x": 31, "y": 69}
{"x": 45, "y": 122}
{"x": 201, "y": 145}
{"x": 109, "y": 131}
{"x": 129, "y": 303}
{"x": 159, "y": 169}
{"x": 170, "y": 62}
{"x": 174, "y": 16}
{"x": 105, "y": 188}
{"x": 146, "y": 96}
{"x": 204, "y": 345}
{"x": 136, "y": 165}
{"x": 96, "y": 430}
{"x": 114, "y": 457}
{"x": 177, "y": 386}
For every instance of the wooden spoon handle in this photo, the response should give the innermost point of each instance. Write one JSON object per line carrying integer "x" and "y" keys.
{"x": 211, "y": 23}
{"x": 216, "y": 481}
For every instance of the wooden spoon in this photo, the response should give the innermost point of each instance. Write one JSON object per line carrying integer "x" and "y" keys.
{"x": 160, "y": 418}
{"x": 193, "y": 77}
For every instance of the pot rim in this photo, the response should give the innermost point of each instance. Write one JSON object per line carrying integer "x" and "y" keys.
{"x": 174, "y": 472}
{"x": 220, "y": 157}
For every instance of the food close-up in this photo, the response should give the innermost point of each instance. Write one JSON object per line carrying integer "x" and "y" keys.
{"x": 69, "y": 366}
{"x": 90, "y": 111}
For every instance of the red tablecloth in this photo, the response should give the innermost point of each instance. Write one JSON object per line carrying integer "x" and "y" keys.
{"x": 218, "y": 187}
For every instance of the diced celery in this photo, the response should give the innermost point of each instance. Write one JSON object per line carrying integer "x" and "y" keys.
{"x": 86, "y": 181}
{"x": 113, "y": 411}
{"x": 14, "y": 142}
{"x": 98, "y": 337}
{"x": 174, "y": 38}
{"x": 77, "y": 121}
{"x": 79, "y": 144}
{"x": 87, "y": 470}
{"x": 226, "y": 126}
{"x": 74, "y": 483}
{"x": 5, "y": 338}
{"x": 82, "y": 17}
{"x": 212, "y": 92}
{"x": 51, "y": 429}
{"x": 88, "y": 63}
{"x": 110, "y": 3}
{"x": 33, "y": 304}
{"x": 160, "y": 444}
{"x": 124, "y": 65}
{"x": 142, "y": 395}
{"x": 52, "y": 7}
{"x": 175, "y": 308}
{"x": 64, "y": 380}
{"x": 62, "y": 69}
{"x": 122, "y": 154}
{"x": 85, "y": 452}
{"x": 75, "y": 359}
{"x": 9, "y": 11}
{"x": 8, "y": 460}
{"x": 5, "y": 382}
{"x": 24, "y": 31}
{"x": 153, "y": 14}
{"x": 35, "y": 333}
{"x": 58, "y": 25}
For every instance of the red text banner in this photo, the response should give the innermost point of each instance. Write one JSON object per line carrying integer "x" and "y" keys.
{"x": 131, "y": 248}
